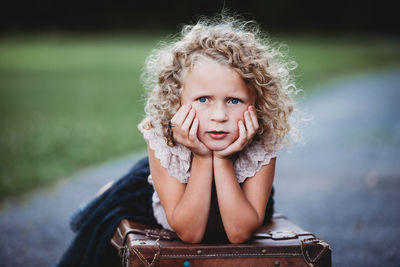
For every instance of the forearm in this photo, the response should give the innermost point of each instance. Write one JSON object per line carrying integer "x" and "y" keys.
{"x": 239, "y": 217}
{"x": 189, "y": 218}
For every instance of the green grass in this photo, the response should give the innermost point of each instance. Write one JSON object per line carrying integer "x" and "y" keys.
{"x": 67, "y": 102}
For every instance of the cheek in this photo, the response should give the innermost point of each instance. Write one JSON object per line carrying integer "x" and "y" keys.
{"x": 238, "y": 115}
{"x": 202, "y": 120}
{"x": 200, "y": 115}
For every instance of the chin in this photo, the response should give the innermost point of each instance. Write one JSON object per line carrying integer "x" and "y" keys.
{"x": 217, "y": 147}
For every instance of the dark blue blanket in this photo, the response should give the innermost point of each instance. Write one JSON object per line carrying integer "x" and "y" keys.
{"x": 129, "y": 197}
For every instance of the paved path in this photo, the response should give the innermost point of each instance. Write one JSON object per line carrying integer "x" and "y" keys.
{"x": 35, "y": 231}
{"x": 343, "y": 185}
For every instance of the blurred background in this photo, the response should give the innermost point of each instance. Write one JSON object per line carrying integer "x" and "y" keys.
{"x": 70, "y": 91}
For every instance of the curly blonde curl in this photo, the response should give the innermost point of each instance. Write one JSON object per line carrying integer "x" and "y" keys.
{"x": 231, "y": 42}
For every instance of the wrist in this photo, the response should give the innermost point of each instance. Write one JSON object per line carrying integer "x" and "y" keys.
{"x": 203, "y": 157}
{"x": 220, "y": 159}
{"x": 222, "y": 156}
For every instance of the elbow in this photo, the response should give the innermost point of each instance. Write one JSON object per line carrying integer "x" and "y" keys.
{"x": 238, "y": 237}
{"x": 238, "y": 234}
{"x": 188, "y": 234}
{"x": 190, "y": 237}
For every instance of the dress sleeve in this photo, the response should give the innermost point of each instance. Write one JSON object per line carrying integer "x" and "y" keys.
{"x": 176, "y": 159}
{"x": 255, "y": 155}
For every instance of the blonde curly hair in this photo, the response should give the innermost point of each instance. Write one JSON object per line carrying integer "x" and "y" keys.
{"x": 231, "y": 42}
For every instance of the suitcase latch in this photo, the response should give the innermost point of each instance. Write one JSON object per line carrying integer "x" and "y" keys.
{"x": 282, "y": 235}
{"x": 277, "y": 235}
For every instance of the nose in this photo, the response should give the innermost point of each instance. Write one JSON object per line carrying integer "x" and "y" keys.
{"x": 219, "y": 113}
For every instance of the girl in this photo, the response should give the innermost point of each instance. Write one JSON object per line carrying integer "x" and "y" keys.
{"x": 216, "y": 116}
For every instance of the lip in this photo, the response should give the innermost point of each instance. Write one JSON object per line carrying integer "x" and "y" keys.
{"x": 217, "y": 134}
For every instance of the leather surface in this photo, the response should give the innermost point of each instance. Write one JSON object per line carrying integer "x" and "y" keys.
{"x": 279, "y": 242}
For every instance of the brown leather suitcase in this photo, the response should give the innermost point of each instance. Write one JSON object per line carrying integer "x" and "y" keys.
{"x": 279, "y": 243}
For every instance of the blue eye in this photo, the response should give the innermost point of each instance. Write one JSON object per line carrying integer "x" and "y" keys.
{"x": 202, "y": 99}
{"x": 235, "y": 101}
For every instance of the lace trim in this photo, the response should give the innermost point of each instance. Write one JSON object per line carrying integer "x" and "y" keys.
{"x": 177, "y": 160}
{"x": 254, "y": 156}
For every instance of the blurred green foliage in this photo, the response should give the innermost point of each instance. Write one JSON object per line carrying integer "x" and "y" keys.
{"x": 320, "y": 58}
{"x": 67, "y": 102}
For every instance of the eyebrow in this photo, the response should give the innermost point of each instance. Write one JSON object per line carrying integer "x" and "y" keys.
{"x": 200, "y": 93}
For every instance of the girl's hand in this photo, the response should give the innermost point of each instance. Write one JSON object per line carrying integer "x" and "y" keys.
{"x": 184, "y": 126}
{"x": 247, "y": 130}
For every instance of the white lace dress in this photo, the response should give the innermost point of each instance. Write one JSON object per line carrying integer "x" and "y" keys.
{"x": 177, "y": 160}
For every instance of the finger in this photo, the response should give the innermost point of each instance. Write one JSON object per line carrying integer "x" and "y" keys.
{"x": 188, "y": 120}
{"x": 193, "y": 130}
{"x": 242, "y": 139}
{"x": 180, "y": 115}
{"x": 248, "y": 122}
{"x": 236, "y": 146}
{"x": 242, "y": 130}
{"x": 251, "y": 129}
{"x": 253, "y": 115}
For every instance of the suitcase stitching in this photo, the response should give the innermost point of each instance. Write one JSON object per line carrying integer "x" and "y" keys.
{"x": 230, "y": 255}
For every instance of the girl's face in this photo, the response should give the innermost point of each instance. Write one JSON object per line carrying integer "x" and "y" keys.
{"x": 220, "y": 97}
